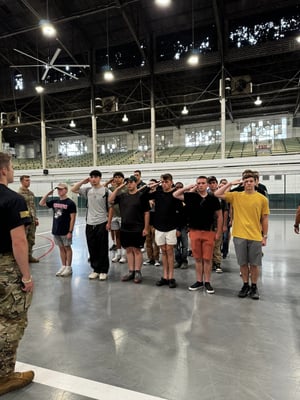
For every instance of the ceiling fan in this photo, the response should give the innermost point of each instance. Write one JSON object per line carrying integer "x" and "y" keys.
{"x": 49, "y": 65}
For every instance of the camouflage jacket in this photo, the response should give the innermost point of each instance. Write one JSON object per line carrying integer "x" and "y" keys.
{"x": 29, "y": 198}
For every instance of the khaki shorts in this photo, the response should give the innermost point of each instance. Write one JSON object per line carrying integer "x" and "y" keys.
{"x": 162, "y": 238}
{"x": 202, "y": 244}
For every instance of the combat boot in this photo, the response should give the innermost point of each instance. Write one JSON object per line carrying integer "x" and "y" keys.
{"x": 15, "y": 381}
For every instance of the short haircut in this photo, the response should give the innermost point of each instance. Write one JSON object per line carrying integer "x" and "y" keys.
{"x": 248, "y": 175}
{"x": 202, "y": 177}
{"x": 95, "y": 172}
{"x": 5, "y": 159}
{"x": 138, "y": 171}
{"x": 118, "y": 174}
{"x": 23, "y": 177}
{"x": 167, "y": 177}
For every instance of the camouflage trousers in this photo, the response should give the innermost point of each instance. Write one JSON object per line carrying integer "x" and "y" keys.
{"x": 14, "y": 304}
{"x": 30, "y": 233}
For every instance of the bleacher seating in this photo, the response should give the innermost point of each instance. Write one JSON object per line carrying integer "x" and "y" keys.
{"x": 233, "y": 149}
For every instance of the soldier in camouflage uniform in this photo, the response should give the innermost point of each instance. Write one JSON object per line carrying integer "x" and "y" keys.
{"x": 30, "y": 230}
{"x": 16, "y": 284}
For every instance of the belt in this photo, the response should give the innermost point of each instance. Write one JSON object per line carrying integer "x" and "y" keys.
{"x": 9, "y": 253}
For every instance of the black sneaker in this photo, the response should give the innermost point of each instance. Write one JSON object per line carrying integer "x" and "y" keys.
{"x": 196, "y": 286}
{"x": 113, "y": 248}
{"x": 219, "y": 269}
{"x": 244, "y": 291}
{"x": 128, "y": 277}
{"x": 209, "y": 289}
{"x": 172, "y": 283}
{"x": 162, "y": 282}
{"x": 253, "y": 293}
{"x": 149, "y": 262}
{"x": 137, "y": 277}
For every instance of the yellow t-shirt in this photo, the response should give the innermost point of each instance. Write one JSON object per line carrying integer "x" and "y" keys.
{"x": 248, "y": 209}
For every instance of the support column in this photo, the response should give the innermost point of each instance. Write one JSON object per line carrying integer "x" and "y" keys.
{"x": 223, "y": 114}
{"x": 43, "y": 132}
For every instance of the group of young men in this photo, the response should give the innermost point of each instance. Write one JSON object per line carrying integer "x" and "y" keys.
{"x": 125, "y": 206}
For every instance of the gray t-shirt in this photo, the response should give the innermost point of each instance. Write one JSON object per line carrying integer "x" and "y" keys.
{"x": 96, "y": 204}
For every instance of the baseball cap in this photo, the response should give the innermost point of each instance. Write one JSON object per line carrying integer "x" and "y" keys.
{"x": 62, "y": 186}
{"x": 95, "y": 172}
{"x": 132, "y": 178}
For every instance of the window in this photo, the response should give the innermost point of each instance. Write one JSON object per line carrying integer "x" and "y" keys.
{"x": 202, "y": 136}
{"x": 112, "y": 144}
{"x": 263, "y": 130}
{"x": 72, "y": 147}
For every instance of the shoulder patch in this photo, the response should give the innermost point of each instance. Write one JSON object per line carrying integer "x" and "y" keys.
{"x": 24, "y": 214}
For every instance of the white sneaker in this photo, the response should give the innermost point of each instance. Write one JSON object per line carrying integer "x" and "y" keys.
{"x": 122, "y": 260}
{"x": 116, "y": 258}
{"x": 61, "y": 270}
{"x": 102, "y": 277}
{"x": 157, "y": 264}
{"x": 93, "y": 275}
{"x": 67, "y": 271}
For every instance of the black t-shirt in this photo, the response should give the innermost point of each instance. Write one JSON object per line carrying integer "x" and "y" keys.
{"x": 62, "y": 209}
{"x": 167, "y": 210}
{"x": 200, "y": 210}
{"x": 13, "y": 213}
{"x": 132, "y": 209}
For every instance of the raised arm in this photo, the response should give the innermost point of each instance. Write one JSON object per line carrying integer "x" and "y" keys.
{"x": 179, "y": 194}
{"x": 43, "y": 200}
{"x": 75, "y": 188}
{"x": 220, "y": 193}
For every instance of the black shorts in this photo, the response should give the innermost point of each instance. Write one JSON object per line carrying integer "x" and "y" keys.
{"x": 132, "y": 239}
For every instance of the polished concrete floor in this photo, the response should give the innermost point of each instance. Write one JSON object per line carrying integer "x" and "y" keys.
{"x": 114, "y": 340}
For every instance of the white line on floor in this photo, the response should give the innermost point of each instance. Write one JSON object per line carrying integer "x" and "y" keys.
{"x": 82, "y": 386}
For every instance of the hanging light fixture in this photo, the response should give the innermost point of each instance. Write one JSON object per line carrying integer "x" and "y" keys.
{"x": 163, "y": 3}
{"x": 108, "y": 74}
{"x": 184, "y": 111}
{"x": 72, "y": 124}
{"x": 194, "y": 56}
{"x": 47, "y": 28}
{"x": 258, "y": 101}
{"x": 39, "y": 89}
{"x": 125, "y": 118}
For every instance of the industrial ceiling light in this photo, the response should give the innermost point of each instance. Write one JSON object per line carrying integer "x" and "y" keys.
{"x": 184, "y": 111}
{"x": 163, "y": 3}
{"x": 39, "y": 89}
{"x": 258, "y": 101}
{"x": 194, "y": 56}
{"x": 298, "y": 38}
{"x": 125, "y": 118}
{"x": 108, "y": 74}
{"x": 47, "y": 28}
{"x": 72, "y": 124}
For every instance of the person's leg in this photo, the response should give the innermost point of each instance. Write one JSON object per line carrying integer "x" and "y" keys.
{"x": 164, "y": 260}
{"x": 199, "y": 269}
{"x": 184, "y": 248}
{"x": 169, "y": 261}
{"x": 138, "y": 259}
{"x": 102, "y": 249}
{"x": 149, "y": 248}
{"x": 63, "y": 255}
{"x": 69, "y": 255}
